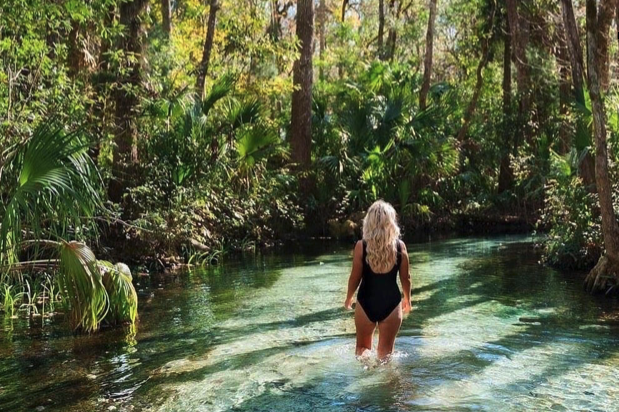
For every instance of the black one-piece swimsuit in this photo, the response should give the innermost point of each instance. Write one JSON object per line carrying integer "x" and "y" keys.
{"x": 379, "y": 293}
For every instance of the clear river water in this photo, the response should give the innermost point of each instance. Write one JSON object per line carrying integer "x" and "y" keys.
{"x": 491, "y": 330}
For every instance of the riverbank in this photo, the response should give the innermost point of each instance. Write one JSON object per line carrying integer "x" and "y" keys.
{"x": 206, "y": 244}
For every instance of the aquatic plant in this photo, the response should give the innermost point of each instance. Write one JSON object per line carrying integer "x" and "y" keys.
{"x": 123, "y": 299}
{"x": 81, "y": 281}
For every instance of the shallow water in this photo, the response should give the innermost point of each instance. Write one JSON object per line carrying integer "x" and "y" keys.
{"x": 490, "y": 330}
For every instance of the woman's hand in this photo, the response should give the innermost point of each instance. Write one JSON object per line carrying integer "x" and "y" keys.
{"x": 406, "y": 306}
{"x": 348, "y": 303}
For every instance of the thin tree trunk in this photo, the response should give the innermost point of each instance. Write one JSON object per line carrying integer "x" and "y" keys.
{"x": 604, "y": 20}
{"x": 392, "y": 35}
{"x": 608, "y": 264}
{"x": 506, "y": 176}
{"x": 101, "y": 83}
{"x": 427, "y": 62}
{"x": 166, "y": 12}
{"x": 125, "y": 139}
{"x": 344, "y": 6}
{"x": 519, "y": 31}
{"x": 574, "y": 48}
{"x": 322, "y": 42}
{"x": 470, "y": 109}
{"x": 564, "y": 96}
{"x": 301, "y": 122}
{"x": 208, "y": 48}
{"x": 75, "y": 54}
{"x": 381, "y": 27}
{"x": 586, "y": 168}
{"x": 479, "y": 82}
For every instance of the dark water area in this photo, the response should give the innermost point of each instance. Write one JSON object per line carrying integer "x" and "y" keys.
{"x": 490, "y": 330}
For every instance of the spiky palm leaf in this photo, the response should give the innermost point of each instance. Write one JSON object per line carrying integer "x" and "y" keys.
{"x": 253, "y": 144}
{"x": 82, "y": 285}
{"x": 220, "y": 89}
{"x": 57, "y": 187}
{"x": 242, "y": 113}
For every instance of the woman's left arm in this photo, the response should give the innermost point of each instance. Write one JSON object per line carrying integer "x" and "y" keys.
{"x": 355, "y": 274}
{"x": 405, "y": 278}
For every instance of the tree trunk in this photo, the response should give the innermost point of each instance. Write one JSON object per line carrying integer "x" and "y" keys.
{"x": 604, "y": 20}
{"x": 344, "y": 6}
{"x": 75, "y": 54}
{"x": 506, "y": 176}
{"x": 381, "y": 28}
{"x": 125, "y": 139}
{"x": 301, "y": 115}
{"x": 166, "y": 14}
{"x": 606, "y": 271}
{"x": 479, "y": 82}
{"x": 322, "y": 42}
{"x": 564, "y": 101}
{"x": 519, "y": 31}
{"x": 586, "y": 168}
{"x": 208, "y": 47}
{"x": 427, "y": 62}
{"x": 574, "y": 48}
{"x": 392, "y": 35}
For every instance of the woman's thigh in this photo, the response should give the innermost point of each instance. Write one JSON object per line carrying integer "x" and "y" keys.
{"x": 365, "y": 328}
{"x": 388, "y": 330}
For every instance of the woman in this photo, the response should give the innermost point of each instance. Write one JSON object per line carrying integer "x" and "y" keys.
{"x": 376, "y": 262}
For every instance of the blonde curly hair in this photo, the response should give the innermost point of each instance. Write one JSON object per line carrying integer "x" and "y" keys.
{"x": 381, "y": 233}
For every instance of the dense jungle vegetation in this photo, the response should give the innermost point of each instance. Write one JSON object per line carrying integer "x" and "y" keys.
{"x": 162, "y": 132}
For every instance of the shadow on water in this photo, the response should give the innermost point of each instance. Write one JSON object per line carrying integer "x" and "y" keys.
{"x": 178, "y": 318}
{"x": 484, "y": 304}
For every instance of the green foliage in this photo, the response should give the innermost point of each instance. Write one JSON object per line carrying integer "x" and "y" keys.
{"x": 55, "y": 189}
{"x": 571, "y": 215}
{"x": 82, "y": 283}
{"x": 123, "y": 298}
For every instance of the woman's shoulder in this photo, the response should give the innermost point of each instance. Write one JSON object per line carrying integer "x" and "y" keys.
{"x": 401, "y": 246}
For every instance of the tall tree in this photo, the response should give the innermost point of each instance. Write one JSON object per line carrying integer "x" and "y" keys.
{"x": 381, "y": 28}
{"x": 208, "y": 48}
{"x": 479, "y": 79}
{"x": 166, "y": 16}
{"x": 301, "y": 115}
{"x": 75, "y": 54}
{"x": 574, "y": 48}
{"x": 604, "y": 20}
{"x": 322, "y": 21}
{"x": 506, "y": 176}
{"x": 606, "y": 270}
{"x": 586, "y": 168}
{"x": 427, "y": 62}
{"x": 562, "y": 58}
{"x": 519, "y": 32}
{"x": 126, "y": 98}
{"x": 396, "y": 9}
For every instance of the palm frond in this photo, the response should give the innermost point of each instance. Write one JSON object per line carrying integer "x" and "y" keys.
{"x": 122, "y": 295}
{"x": 57, "y": 187}
{"x": 220, "y": 89}
{"x": 81, "y": 282}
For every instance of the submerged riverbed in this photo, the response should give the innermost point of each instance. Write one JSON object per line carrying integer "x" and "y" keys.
{"x": 490, "y": 330}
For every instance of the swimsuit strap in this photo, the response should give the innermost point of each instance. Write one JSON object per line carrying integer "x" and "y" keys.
{"x": 365, "y": 253}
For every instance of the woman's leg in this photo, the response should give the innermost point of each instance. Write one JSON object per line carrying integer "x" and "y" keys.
{"x": 365, "y": 330}
{"x": 387, "y": 331}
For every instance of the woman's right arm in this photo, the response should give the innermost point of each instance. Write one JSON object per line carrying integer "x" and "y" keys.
{"x": 405, "y": 279}
{"x": 355, "y": 274}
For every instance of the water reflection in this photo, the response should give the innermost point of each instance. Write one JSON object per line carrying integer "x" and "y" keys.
{"x": 490, "y": 330}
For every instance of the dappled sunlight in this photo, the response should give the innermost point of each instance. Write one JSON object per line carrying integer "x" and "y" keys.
{"x": 489, "y": 329}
